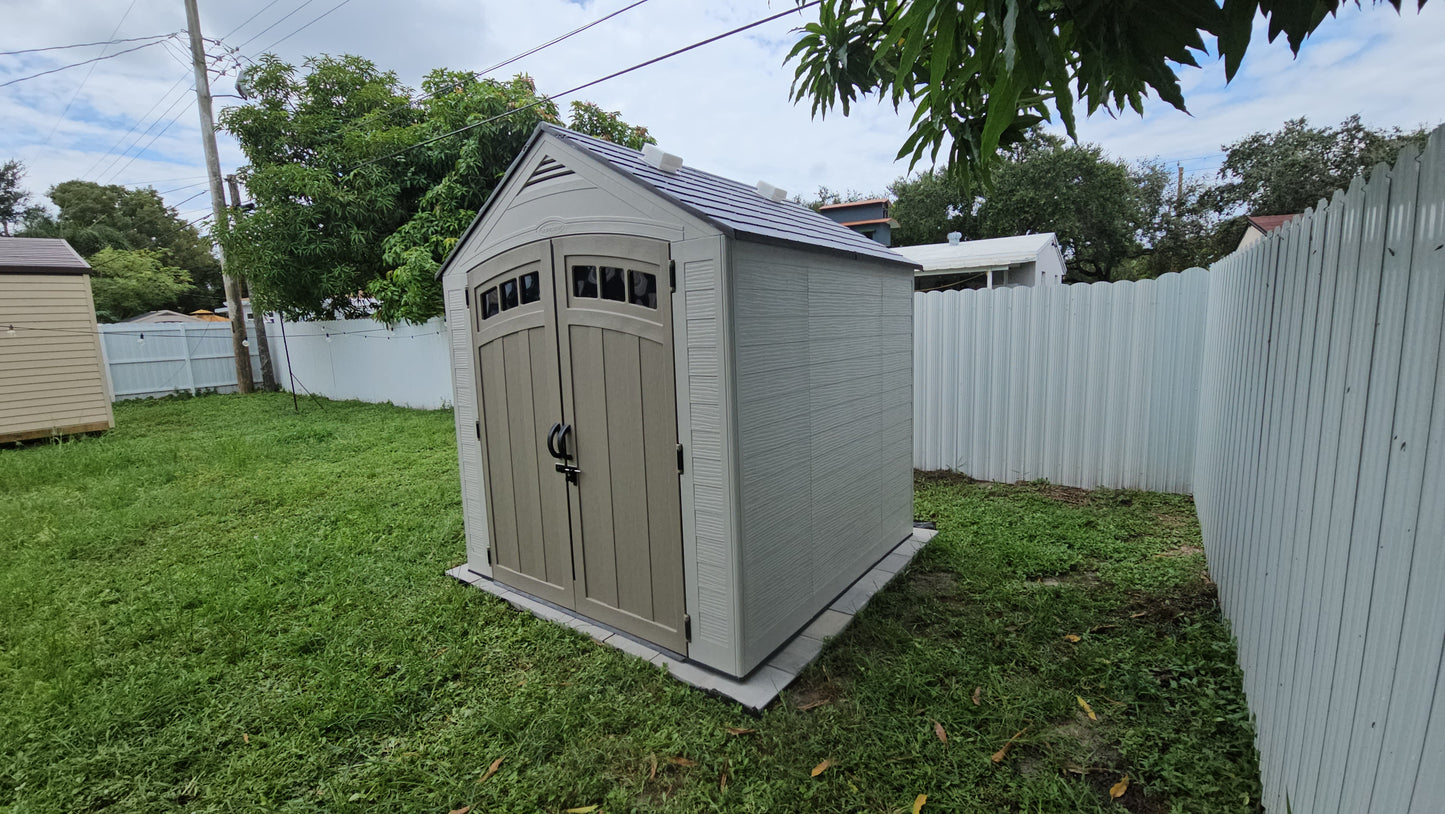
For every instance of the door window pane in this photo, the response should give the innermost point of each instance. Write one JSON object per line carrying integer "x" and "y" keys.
{"x": 614, "y": 283}
{"x": 531, "y": 287}
{"x": 509, "y": 294}
{"x": 643, "y": 289}
{"x": 584, "y": 281}
{"x": 490, "y": 303}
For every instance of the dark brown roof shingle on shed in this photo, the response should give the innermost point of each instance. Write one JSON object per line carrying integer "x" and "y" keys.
{"x": 40, "y": 255}
{"x": 735, "y": 207}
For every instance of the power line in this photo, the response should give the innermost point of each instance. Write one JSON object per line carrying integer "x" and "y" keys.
{"x": 586, "y": 85}
{"x": 88, "y": 44}
{"x": 504, "y": 63}
{"x": 110, "y": 174}
{"x": 136, "y": 126}
{"x": 78, "y": 64}
{"x": 252, "y": 17}
{"x": 257, "y": 35}
{"x": 268, "y": 48}
{"x": 81, "y": 86}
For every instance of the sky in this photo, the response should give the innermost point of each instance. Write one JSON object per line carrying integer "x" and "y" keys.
{"x": 724, "y": 108}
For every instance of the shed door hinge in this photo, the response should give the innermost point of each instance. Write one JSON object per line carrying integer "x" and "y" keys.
{"x": 687, "y": 627}
{"x": 469, "y": 297}
{"x": 672, "y": 274}
{"x": 679, "y": 459}
{"x": 489, "y": 556}
{"x": 479, "y": 430}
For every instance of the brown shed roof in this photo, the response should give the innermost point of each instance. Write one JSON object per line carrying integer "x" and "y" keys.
{"x": 1268, "y": 223}
{"x": 48, "y": 255}
{"x": 853, "y": 203}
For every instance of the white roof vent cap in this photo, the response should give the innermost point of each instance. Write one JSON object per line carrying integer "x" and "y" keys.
{"x": 954, "y": 237}
{"x": 665, "y": 161}
{"x": 771, "y": 192}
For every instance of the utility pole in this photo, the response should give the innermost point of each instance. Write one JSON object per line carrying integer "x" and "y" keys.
{"x": 239, "y": 344}
{"x": 258, "y": 319}
{"x": 1179, "y": 193}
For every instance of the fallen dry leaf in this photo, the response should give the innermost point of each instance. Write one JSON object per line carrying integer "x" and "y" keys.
{"x": 918, "y": 803}
{"x": 1003, "y": 750}
{"x": 820, "y": 768}
{"x": 978, "y": 696}
{"x": 737, "y": 730}
{"x": 1072, "y": 637}
{"x": 682, "y": 761}
{"x": 246, "y": 738}
{"x": 491, "y": 770}
{"x": 1100, "y": 628}
{"x": 1117, "y": 790}
{"x": 1088, "y": 709}
{"x": 462, "y": 810}
{"x": 811, "y": 705}
{"x": 653, "y": 760}
{"x": 1137, "y": 615}
{"x": 938, "y": 730}
{"x": 582, "y": 810}
{"x": 722, "y": 782}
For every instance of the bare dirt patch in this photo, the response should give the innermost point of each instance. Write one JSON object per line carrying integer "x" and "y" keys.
{"x": 1189, "y": 599}
{"x": 1184, "y": 550}
{"x": 936, "y": 584}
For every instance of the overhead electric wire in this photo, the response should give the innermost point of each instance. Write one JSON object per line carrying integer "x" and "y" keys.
{"x": 110, "y": 170}
{"x": 87, "y": 44}
{"x": 268, "y": 48}
{"x": 504, "y": 63}
{"x": 89, "y": 73}
{"x": 249, "y": 19}
{"x": 78, "y": 64}
{"x": 669, "y": 55}
{"x": 283, "y": 19}
{"x": 136, "y": 126}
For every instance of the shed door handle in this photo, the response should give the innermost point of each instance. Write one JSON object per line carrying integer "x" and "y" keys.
{"x": 552, "y": 440}
{"x": 562, "y": 442}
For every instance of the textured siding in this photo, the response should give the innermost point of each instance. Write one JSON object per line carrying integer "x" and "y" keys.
{"x": 1084, "y": 385}
{"x": 464, "y": 407}
{"x": 1321, "y": 490}
{"x": 703, "y": 420}
{"x": 823, "y": 355}
{"x": 52, "y": 377}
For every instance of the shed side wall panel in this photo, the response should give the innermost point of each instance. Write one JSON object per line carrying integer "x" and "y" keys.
{"x": 823, "y": 376}
{"x": 464, "y": 400}
{"x": 55, "y": 325}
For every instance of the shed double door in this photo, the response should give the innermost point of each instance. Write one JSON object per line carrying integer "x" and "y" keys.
{"x": 574, "y": 355}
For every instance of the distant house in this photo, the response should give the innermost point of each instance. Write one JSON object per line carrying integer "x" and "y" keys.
{"x": 1257, "y": 226}
{"x": 52, "y": 374}
{"x": 868, "y": 218}
{"x": 1021, "y": 260}
{"x": 163, "y": 315}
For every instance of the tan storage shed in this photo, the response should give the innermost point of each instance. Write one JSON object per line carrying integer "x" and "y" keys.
{"x": 684, "y": 405}
{"x": 52, "y": 376}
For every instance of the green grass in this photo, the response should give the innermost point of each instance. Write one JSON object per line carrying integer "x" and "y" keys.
{"x": 225, "y": 606}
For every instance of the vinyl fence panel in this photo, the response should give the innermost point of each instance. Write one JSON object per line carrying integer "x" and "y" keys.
{"x": 1087, "y": 386}
{"x": 158, "y": 359}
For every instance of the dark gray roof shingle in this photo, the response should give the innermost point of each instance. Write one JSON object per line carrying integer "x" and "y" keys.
{"x": 39, "y": 254}
{"x": 734, "y": 206}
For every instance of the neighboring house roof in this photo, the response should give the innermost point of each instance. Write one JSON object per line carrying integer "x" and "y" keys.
{"x": 733, "y": 207}
{"x": 850, "y": 223}
{"x": 1268, "y": 223}
{"x": 45, "y": 255}
{"x": 208, "y": 316}
{"x": 978, "y": 254}
{"x": 163, "y": 315}
{"x": 854, "y": 203}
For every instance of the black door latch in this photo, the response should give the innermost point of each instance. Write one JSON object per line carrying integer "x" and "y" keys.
{"x": 571, "y": 472}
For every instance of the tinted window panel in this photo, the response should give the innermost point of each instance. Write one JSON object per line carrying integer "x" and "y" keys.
{"x": 490, "y": 303}
{"x": 584, "y": 281}
{"x": 509, "y": 295}
{"x": 614, "y": 283}
{"x": 531, "y": 287}
{"x": 643, "y": 289}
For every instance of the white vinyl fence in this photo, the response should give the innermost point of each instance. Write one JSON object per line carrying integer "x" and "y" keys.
{"x": 159, "y": 359}
{"x": 1321, "y": 490}
{"x": 1085, "y": 385}
{"x": 344, "y": 359}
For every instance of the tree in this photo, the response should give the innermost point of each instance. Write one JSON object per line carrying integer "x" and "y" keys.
{"x": 928, "y": 206}
{"x": 126, "y": 282}
{"x": 12, "y": 197}
{"x": 980, "y": 73}
{"x": 95, "y": 217}
{"x": 1291, "y": 169}
{"x": 359, "y": 190}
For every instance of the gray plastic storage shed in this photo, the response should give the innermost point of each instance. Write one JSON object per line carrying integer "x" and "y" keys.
{"x": 684, "y": 408}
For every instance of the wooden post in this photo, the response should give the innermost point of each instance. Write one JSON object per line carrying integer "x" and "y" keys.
{"x": 258, "y": 319}
{"x": 239, "y": 344}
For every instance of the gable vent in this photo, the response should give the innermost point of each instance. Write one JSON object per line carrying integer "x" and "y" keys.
{"x": 548, "y": 170}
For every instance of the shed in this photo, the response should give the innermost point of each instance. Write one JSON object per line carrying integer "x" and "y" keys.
{"x": 684, "y": 404}
{"x": 1018, "y": 260}
{"x": 52, "y": 376}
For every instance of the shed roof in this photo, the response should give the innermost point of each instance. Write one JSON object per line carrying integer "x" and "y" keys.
{"x": 970, "y": 254}
{"x": 734, "y": 207}
{"x": 49, "y": 255}
{"x": 1268, "y": 223}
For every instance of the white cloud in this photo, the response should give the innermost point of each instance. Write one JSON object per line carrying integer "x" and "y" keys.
{"x": 724, "y": 107}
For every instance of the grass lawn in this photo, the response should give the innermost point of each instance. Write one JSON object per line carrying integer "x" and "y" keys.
{"x": 225, "y": 606}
